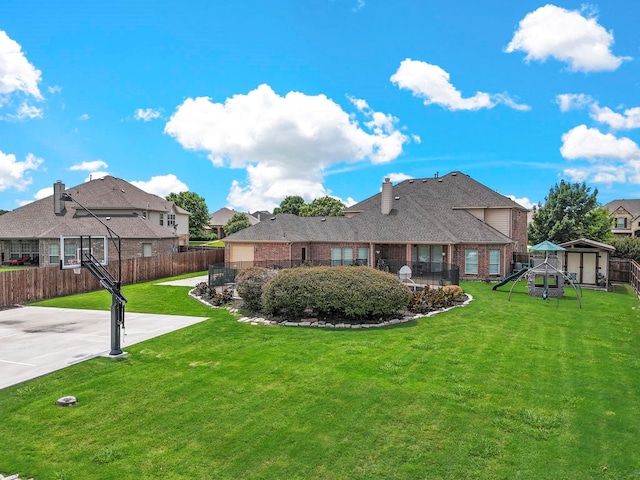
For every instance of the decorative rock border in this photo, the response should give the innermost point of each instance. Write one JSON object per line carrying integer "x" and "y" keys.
{"x": 314, "y": 323}
{"x": 11, "y": 477}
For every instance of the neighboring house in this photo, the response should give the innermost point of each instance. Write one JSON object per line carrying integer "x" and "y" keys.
{"x": 262, "y": 215}
{"x": 587, "y": 261}
{"x": 428, "y": 224}
{"x": 625, "y": 216}
{"x": 147, "y": 224}
{"x": 219, "y": 219}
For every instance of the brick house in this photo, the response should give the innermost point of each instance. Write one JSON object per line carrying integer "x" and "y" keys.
{"x": 147, "y": 224}
{"x": 429, "y": 224}
{"x": 625, "y": 217}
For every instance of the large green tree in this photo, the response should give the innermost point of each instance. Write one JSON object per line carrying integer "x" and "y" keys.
{"x": 291, "y": 204}
{"x": 236, "y": 223}
{"x": 196, "y": 206}
{"x": 323, "y": 207}
{"x": 570, "y": 211}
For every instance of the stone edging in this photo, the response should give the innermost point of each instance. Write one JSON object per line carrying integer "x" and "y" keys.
{"x": 321, "y": 324}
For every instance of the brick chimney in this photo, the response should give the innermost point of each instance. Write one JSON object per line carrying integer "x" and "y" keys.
{"x": 58, "y": 205}
{"x": 387, "y": 197}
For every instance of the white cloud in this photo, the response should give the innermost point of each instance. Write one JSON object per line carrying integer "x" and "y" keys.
{"x": 13, "y": 174}
{"x": 162, "y": 185}
{"x": 43, "y": 193}
{"x": 626, "y": 120}
{"x": 146, "y": 114}
{"x": 432, "y": 83}
{"x": 577, "y": 174}
{"x": 606, "y": 174}
{"x": 573, "y": 101}
{"x": 54, "y": 89}
{"x": 568, "y": 36}
{"x": 26, "y": 112}
{"x": 524, "y": 201}
{"x": 16, "y": 73}
{"x": 592, "y": 144}
{"x": 88, "y": 166}
{"x": 359, "y": 5}
{"x": 84, "y": 116}
{"x": 284, "y": 142}
{"x": 398, "y": 177}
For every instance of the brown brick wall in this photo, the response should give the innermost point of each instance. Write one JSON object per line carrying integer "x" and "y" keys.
{"x": 506, "y": 254}
{"x": 519, "y": 229}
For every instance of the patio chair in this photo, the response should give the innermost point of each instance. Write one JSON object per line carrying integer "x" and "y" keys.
{"x": 19, "y": 261}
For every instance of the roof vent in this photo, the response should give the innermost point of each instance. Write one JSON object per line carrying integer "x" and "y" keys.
{"x": 410, "y": 181}
{"x": 397, "y": 198}
{"x": 424, "y": 180}
{"x": 273, "y": 218}
{"x": 323, "y": 219}
{"x": 454, "y": 174}
{"x": 440, "y": 180}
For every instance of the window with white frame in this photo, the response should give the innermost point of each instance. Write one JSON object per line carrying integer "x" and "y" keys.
{"x": 621, "y": 222}
{"x": 54, "y": 253}
{"x": 471, "y": 261}
{"x": 494, "y": 262}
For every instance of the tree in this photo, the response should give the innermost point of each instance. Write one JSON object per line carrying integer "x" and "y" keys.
{"x": 196, "y": 206}
{"x": 291, "y": 204}
{"x": 627, "y": 247}
{"x": 323, "y": 207}
{"x": 570, "y": 211}
{"x": 236, "y": 223}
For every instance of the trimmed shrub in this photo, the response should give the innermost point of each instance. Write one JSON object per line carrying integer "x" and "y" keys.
{"x": 250, "y": 283}
{"x": 431, "y": 299}
{"x": 345, "y": 294}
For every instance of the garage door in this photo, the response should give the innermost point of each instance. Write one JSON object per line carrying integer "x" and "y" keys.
{"x": 242, "y": 253}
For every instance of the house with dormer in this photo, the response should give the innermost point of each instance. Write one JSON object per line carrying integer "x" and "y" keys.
{"x": 625, "y": 217}
{"x": 428, "y": 224}
{"x": 146, "y": 224}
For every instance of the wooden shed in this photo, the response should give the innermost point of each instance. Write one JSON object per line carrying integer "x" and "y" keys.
{"x": 587, "y": 261}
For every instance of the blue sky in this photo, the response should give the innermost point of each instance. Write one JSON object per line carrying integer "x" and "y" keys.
{"x": 246, "y": 102}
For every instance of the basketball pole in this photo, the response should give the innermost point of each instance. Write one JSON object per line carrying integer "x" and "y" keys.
{"x": 117, "y": 299}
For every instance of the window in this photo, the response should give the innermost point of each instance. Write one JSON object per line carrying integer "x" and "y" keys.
{"x": 171, "y": 220}
{"x": 341, "y": 256}
{"x": 54, "y": 253}
{"x": 162, "y": 219}
{"x": 471, "y": 261}
{"x": 494, "y": 262}
{"x": 147, "y": 250}
{"x": 70, "y": 253}
{"x": 363, "y": 256}
{"x": 621, "y": 222}
{"x": 336, "y": 256}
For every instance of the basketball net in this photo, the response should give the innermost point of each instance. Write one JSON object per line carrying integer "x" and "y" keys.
{"x": 76, "y": 270}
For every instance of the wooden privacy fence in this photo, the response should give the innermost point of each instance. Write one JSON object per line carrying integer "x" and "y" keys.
{"x": 19, "y": 287}
{"x": 619, "y": 270}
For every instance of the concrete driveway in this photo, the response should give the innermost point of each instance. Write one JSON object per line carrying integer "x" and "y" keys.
{"x": 35, "y": 341}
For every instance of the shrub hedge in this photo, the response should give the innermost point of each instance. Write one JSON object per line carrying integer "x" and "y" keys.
{"x": 250, "y": 284}
{"x": 348, "y": 294}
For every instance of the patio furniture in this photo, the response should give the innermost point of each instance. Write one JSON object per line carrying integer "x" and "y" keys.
{"x": 19, "y": 261}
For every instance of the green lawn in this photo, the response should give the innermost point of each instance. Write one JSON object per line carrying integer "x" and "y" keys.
{"x": 526, "y": 389}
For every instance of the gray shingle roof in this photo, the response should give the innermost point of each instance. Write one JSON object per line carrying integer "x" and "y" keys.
{"x": 38, "y": 220}
{"x": 429, "y": 211}
{"x": 631, "y": 206}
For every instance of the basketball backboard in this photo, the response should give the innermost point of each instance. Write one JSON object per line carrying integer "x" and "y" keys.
{"x": 76, "y": 250}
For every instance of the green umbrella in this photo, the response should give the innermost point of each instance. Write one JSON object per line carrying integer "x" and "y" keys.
{"x": 546, "y": 246}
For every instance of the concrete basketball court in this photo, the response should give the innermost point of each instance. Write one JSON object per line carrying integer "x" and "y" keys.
{"x": 35, "y": 341}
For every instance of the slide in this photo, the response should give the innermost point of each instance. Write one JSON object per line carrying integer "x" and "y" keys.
{"x": 510, "y": 277}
